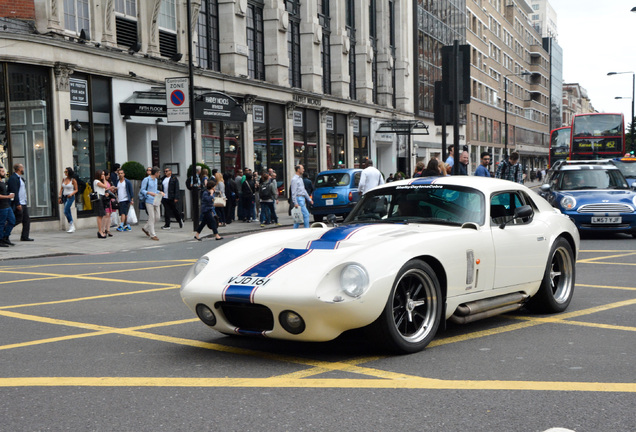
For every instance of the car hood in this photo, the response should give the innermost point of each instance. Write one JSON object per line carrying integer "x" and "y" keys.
{"x": 596, "y": 195}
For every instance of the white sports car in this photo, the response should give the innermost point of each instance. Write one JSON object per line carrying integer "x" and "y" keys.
{"x": 411, "y": 255}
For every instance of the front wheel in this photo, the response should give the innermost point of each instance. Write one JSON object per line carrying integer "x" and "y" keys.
{"x": 413, "y": 310}
{"x": 557, "y": 286}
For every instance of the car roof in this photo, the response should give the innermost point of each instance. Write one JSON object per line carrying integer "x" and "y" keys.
{"x": 599, "y": 167}
{"x": 340, "y": 170}
{"x": 487, "y": 185}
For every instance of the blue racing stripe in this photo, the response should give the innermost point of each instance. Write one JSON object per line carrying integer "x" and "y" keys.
{"x": 243, "y": 293}
{"x": 330, "y": 239}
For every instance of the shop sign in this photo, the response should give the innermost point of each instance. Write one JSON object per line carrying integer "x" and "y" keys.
{"x": 298, "y": 119}
{"x": 79, "y": 91}
{"x": 302, "y": 99}
{"x": 218, "y": 106}
{"x": 329, "y": 122}
{"x": 258, "y": 113}
{"x": 143, "y": 110}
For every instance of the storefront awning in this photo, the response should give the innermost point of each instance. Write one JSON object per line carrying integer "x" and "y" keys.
{"x": 403, "y": 127}
{"x": 145, "y": 104}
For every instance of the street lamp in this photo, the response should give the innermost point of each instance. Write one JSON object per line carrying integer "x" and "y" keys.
{"x": 631, "y": 123}
{"x": 505, "y": 155}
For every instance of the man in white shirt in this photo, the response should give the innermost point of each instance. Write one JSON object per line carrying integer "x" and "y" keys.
{"x": 124, "y": 199}
{"x": 370, "y": 178}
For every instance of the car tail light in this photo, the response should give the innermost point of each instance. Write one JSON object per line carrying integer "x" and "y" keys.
{"x": 350, "y": 196}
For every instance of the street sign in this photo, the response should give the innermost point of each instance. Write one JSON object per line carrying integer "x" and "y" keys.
{"x": 177, "y": 100}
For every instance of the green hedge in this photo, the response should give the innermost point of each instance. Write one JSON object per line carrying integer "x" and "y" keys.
{"x": 134, "y": 170}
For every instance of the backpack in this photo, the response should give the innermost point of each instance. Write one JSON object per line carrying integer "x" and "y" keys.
{"x": 265, "y": 192}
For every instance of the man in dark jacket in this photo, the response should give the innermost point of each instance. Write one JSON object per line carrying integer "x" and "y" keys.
{"x": 7, "y": 218}
{"x": 17, "y": 186}
{"x": 170, "y": 187}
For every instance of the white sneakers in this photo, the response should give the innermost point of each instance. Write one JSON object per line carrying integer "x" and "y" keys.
{"x": 71, "y": 228}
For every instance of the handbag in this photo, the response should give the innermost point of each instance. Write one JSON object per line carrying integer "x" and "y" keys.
{"x": 219, "y": 201}
{"x": 93, "y": 196}
{"x": 297, "y": 215}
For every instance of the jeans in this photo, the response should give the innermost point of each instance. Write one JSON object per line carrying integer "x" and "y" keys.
{"x": 7, "y": 222}
{"x": 68, "y": 203}
{"x": 303, "y": 208}
{"x": 268, "y": 213}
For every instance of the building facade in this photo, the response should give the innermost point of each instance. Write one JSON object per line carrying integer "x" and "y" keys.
{"x": 510, "y": 78}
{"x": 575, "y": 101}
{"x": 83, "y": 85}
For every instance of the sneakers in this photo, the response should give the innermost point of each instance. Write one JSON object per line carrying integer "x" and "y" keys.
{"x": 165, "y": 227}
{"x": 128, "y": 228}
{"x": 120, "y": 228}
{"x": 262, "y": 225}
{"x": 71, "y": 228}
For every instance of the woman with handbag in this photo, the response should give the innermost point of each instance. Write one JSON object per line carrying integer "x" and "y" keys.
{"x": 208, "y": 216}
{"x": 99, "y": 188}
{"x": 67, "y": 196}
{"x": 220, "y": 199}
{"x": 109, "y": 197}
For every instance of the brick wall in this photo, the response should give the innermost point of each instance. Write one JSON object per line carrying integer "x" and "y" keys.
{"x": 20, "y": 9}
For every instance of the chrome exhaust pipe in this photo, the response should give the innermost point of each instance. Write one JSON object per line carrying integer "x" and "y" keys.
{"x": 485, "y": 314}
{"x": 479, "y": 306}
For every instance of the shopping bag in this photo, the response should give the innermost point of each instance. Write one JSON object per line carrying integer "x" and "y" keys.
{"x": 157, "y": 201}
{"x": 131, "y": 218}
{"x": 297, "y": 215}
{"x": 114, "y": 219}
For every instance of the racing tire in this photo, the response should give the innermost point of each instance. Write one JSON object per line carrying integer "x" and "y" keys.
{"x": 413, "y": 311}
{"x": 557, "y": 286}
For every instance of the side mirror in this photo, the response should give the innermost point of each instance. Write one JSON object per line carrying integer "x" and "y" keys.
{"x": 545, "y": 187}
{"x": 520, "y": 212}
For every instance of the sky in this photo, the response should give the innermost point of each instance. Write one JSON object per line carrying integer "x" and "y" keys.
{"x": 597, "y": 37}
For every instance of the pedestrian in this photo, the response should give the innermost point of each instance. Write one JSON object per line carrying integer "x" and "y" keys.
{"x": 220, "y": 192}
{"x": 208, "y": 215}
{"x": 432, "y": 169}
{"x": 124, "y": 200}
{"x": 247, "y": 197}
{"x": 267, "y": 193}
{"x": 149, "y": 190}
{"x": 390, "y": 178}
{"x": 419, "y": 168}
{"x": 300, "y": 196}
{"x": 463, "y": 163}
{"x": 370, "y": 178}
{"x": 238, "y": 182}
{"x": 482, "y": 169}
{"x": 7, "y": 217}
{"x": 193, "y": 183}
{"x": 450, "y": 160}
{"x": 510, "y": 169}
{"x": 17, "y": 186}
{"x": 67, "y": 196}
{"x": 204, "y": 178}
{"x": 110, "y": 202}
{"x": 232, "y": 197}
{"x": 170, "y": 187}
{"x": 99, "y": 187}
{"x": 114, "y": 176}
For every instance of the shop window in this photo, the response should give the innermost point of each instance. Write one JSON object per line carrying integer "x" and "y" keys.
{"x": 269, "y": 141}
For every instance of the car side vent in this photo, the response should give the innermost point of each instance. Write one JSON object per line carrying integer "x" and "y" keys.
{"x": 470, "y": 268}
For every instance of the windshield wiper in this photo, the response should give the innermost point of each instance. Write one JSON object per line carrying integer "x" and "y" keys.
{"x": 432, "y": 220}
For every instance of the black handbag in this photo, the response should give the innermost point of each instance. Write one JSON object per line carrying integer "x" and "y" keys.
{"x": 93, "y": 196}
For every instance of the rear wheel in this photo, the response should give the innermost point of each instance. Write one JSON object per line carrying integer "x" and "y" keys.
{"x": 557, "y": 286}
{"x": 413, "y": 310}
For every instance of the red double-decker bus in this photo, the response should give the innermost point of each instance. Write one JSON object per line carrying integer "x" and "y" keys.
{"x": 597, "y": 136}
{"x": 559, "y": 145}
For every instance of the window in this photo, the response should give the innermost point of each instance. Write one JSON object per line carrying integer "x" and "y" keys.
{"x": 293, "y": 42}
{"x": 77, "y": 16}
{"x": 255, "y": 41}
{"x": 126, "y": 22}
{"x": 373, "y": 38}
{"x": 325, "y": 49}
{"x": 351, "y": 28}
{"x": 392, "y": 48}
{"x": 208, "y": 29}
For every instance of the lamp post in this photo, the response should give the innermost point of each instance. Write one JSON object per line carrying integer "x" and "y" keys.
{"x": 505, "y": 155}
{"x": 631, "y": 123}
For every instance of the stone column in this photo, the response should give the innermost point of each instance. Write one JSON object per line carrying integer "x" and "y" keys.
{"x": 310, "y": 40}
{"x": 233, "y": 37}
{"x": 275, "y": 25}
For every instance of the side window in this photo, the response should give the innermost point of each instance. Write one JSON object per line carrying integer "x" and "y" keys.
{"x": 503, "y": 205}
{"x": 356, "y": 178}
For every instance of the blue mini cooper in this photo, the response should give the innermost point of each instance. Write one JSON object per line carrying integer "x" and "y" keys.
{"x": 594, "y": 194}
{"x": 335, "y": 192}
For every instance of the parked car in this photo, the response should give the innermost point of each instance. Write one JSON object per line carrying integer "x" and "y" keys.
{"x": 335, "y": 192}
{"x": 627, "y": 165}
{"x": 411, "y": 255}
{"x": 594, "y": 194}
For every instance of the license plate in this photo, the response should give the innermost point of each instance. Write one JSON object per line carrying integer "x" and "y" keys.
{"x": 329, "y": 196}
{"x": 329, "y": 202}
{"x": 607, "y": 220}
{"x": 247, "y": 281}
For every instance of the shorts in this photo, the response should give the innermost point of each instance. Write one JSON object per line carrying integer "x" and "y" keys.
{"x": 123, "y": 207}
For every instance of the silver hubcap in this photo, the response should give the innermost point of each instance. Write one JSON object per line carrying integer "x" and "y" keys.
{"x": 414, "y": 305}
{"x": 561, "y": 275}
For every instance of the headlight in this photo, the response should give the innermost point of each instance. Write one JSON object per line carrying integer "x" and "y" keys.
{"x": 568, "y": 203}
{"x": 354, "y": 280}
{"x": 195, "y": 270}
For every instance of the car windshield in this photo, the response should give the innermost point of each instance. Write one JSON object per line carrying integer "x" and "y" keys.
{"x": 592, "y": 179}
{"x": 627, "y": 168}
{"x": 333, "y": 179}
{"x": 428, "y": 203}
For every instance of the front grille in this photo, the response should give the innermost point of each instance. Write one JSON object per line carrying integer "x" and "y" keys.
{"x": 247, "y": 316}
{"x": 605, "y": 208}
{"x": 605, "y": 226}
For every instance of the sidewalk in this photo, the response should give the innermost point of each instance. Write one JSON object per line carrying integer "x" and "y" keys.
{"x": 85, "y": 241}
